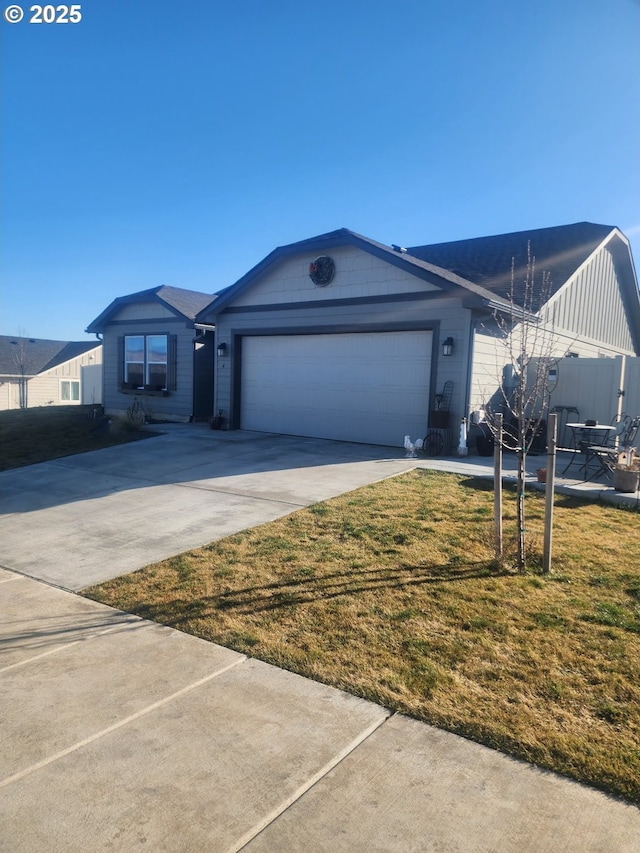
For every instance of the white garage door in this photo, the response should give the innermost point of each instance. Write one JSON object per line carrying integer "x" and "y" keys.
{"x": 371, "y": 387}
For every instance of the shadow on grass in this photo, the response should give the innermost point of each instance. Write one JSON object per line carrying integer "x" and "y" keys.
{"x": 307, "y": 590}
{"x": 478, "y": 484}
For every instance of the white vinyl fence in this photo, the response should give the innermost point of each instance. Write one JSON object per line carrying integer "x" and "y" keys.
{"x": 598, "y": 388}
{"x": 91, "y": 384}
{"x": 631, "y": 399}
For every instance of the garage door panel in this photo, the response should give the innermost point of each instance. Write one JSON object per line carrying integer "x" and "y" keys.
{"x": 370, "y": 387}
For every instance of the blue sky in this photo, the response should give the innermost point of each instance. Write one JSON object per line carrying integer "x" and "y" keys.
{"x": 179, "y": 143}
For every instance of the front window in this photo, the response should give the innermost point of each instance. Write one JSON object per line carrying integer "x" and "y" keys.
{"x": 145, "y": 361}
{"x": 134, "y": 360}
{"x": 156, "y": 362}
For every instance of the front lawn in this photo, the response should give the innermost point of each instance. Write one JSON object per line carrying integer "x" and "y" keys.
{"x": 391, "y": 593}
{"x": 49, "y": 432}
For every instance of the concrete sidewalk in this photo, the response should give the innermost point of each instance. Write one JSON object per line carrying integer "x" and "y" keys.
{"x": 120, "y": 734}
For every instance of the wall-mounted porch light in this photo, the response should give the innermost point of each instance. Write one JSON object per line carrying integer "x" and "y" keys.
{"x": 222, "y": 350}
{"x": 447, "y": 346}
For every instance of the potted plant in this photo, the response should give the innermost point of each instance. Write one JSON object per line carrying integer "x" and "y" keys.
{"x": 626, "y": 473}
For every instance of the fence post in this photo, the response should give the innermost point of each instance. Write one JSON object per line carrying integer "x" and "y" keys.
{"x": 497, "y": 485}
{"x": 552, "y": 438}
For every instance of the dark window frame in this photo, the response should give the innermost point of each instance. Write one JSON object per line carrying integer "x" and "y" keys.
{"x": 148, "y": 388}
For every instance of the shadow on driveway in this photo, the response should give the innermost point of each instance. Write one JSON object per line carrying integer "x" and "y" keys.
{"x": 84, "y": 519}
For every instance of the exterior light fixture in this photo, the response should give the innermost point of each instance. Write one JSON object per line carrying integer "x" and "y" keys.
{"x": 222, "y": 350}
{"x": 447, "y": 346}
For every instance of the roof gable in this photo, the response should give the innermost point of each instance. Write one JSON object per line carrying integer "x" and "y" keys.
{"x": 181, "y": 302}
{"x": 396, "y": 256}
{"x": 28, "y": 356}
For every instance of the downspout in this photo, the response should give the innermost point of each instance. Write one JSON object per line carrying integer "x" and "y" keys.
{"x": 471, "y": 351}
{"x": 193, "y": 379}
{"x": 99, "y": 338}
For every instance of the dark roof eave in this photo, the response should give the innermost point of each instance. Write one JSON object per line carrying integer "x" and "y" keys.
{"x": 495, "y": 305}
{"x": 154, "y": 294}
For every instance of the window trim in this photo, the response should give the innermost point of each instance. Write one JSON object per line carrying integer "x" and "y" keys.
{"x": 70, "y": 400}
{"x": 147, "y": 388}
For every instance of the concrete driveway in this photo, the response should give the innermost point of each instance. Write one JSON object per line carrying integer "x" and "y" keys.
{"x": 84, "y": 519}
{"x": 120, "y": 734}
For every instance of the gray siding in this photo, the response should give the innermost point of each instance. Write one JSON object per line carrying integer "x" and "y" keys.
{"x": 178, "y": 405}
{"x": 135, "y": 311}
{"x": 358, "y": 275}
{"x": 590, "y": 307}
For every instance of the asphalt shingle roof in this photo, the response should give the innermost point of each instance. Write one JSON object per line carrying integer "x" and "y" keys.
{"x": 486, "y": 261}
{"x": 187, "y": 302}
{"x": 31, "y": 356}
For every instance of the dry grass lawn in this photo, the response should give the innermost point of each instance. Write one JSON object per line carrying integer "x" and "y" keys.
{"x": 35, "y": 435}
{"x": 391, "y": 592}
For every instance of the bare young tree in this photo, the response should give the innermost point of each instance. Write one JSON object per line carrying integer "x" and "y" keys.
{"x": 21, "y": 360}
{"x": 526, "y": 357}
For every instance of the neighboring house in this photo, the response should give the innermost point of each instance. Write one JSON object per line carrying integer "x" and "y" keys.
{"x": 341, "y": 337}
{"x": 154, "y": 353}
{"x": 35, "y": 372}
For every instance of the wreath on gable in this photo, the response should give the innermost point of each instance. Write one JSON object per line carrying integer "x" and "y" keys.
{"x": 322, "y": 270}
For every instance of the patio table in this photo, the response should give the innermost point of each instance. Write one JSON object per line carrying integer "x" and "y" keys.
{"x": 582, "y": 435}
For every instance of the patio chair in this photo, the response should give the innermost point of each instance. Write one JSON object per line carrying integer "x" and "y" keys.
{"x": 605, "y": 456}
{"x": 629, "y": 435}
{"x": 565, "y": 414}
